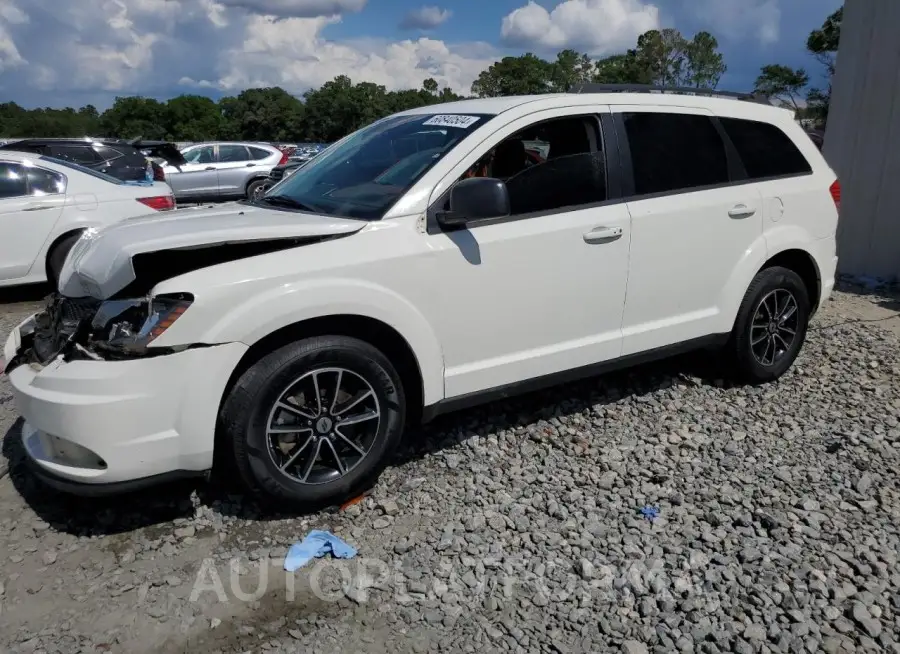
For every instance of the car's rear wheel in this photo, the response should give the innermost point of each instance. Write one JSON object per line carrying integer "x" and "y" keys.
{"x": 315, "y": 422}
{"x": 771, "y": 325}
{"x": 256, "y": 189}
{"x": 56, "y": 257}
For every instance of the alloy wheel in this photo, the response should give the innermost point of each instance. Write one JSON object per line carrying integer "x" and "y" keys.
{"x": 323, "y": 425}
{"x": 774, "y": 327}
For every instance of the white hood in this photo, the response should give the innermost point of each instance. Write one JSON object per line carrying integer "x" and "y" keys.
{"x": 99, "y": 264}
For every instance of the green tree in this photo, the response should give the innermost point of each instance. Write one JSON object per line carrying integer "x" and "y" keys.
{"x": 339, "y": 107}
{"x": 569, "y": 69}
{"x": 782, "y": 83}
{"x": 134, "y": 117}
{"x": 621, "y": 69}
{"x": 823, "y": 44}
{"x": 666, "y": 58}
{"x": 705, "y": 64}
{"x": 265, "y": 114}
{"x": 524, "y": 75}
{"x": 193, "y": 118}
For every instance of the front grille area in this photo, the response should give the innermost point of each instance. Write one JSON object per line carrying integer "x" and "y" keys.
{"x": 59, "y": 322}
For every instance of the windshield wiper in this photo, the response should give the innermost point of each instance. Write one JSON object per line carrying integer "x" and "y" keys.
{"x": 285, "y": 201}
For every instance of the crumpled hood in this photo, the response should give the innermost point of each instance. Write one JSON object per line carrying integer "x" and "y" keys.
{"x": 100, "y": 263}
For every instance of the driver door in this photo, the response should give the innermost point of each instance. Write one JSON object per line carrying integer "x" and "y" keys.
{"x": 541, "y": 291}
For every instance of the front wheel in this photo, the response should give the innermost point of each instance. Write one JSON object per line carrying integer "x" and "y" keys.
{"x": 771, "y": 325}
{"x": 315, "y": 422}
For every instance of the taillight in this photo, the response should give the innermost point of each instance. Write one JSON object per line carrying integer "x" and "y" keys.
{"x": 284, "y": 158}
{"x": 835, "y": 190}
{"x": 159, "y": 175}
{"x": 159, "y": 202}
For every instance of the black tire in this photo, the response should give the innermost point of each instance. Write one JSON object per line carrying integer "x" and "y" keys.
{"x": 56, "y": 257}
{"x": 773, "y": 285}
{"x": 253, "y": 187}
{"x": 245, "y": 418}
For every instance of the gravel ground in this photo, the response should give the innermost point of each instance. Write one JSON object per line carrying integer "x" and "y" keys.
{"x": 518, "y": 527}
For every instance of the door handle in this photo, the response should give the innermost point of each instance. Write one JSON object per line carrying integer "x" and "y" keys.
{"x": 250, "y": 165}
{"x": 603, "y": 234}
{"x": 38, "y": 207}
{"x": 210, "y": 168}
{"x": 741, "y": 211}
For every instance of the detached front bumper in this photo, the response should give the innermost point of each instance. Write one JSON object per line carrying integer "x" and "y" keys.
{"x": 105, "y": 426}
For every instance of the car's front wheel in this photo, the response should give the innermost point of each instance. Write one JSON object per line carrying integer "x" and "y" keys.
{"x": 315, "y": 422}
{"x": 256, "y": 189}
{"x": 771, "y": 325}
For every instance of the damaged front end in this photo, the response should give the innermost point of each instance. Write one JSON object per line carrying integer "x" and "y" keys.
{"x": 100, "y": 330}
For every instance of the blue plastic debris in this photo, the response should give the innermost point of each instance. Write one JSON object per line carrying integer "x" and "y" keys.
{"x": 650, "y": 512}
{"x": 316, "y": 545}
{"x": 139, "y": 182}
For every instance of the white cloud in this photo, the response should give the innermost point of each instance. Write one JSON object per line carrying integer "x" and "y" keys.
{"x": 292, "y": 53}
{"x": 425, "y": 18}
{"x": 737, "y": 19}
{"x": 297, "y": 8}
{"x": 597, "y": 26}
{"x": 160, "y": 48}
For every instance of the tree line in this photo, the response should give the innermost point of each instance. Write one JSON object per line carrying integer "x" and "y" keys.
{"x": 325, "y": 114}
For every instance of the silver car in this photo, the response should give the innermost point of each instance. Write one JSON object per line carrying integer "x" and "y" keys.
{"x": 222, "y": 171}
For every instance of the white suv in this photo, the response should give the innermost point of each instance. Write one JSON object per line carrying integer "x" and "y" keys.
{"x": 437, "y": 258}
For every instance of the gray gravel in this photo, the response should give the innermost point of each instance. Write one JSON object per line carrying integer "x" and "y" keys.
{"x": 517, "y": 527}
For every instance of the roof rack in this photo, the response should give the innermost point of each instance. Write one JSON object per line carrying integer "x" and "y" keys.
{"x": 681, "y": 90}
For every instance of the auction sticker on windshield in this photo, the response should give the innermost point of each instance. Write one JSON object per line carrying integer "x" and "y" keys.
{"x": 451, "y": 120}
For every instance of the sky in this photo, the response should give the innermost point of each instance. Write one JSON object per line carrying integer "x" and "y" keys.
{"x": 74, "y": 52}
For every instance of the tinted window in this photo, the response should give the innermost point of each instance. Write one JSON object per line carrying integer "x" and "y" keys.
{"x": 200, "y": 155}
{"x": 81, "y": 154}
{"x": 12, "y": 180}
{"x": 765, "y": 150}
{"x": 107, "y": 153}
{"x": 83, "y": 170}
{"x": 45, "y": 182}
{"x": 258, "y": 153}
{"x": 674, "y": 152}
{"x": 548, "y": 166}
{"x": 232, "y": 153}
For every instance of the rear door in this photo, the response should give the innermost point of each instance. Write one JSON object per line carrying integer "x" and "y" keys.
{"x": 235, "y": 167}
{"x": 198, "y": 177}
{"x": 31, "y": 201}
{"x": 692, "y": 223}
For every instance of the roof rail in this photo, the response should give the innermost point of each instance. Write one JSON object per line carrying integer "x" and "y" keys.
{"x": 682, "y": 90}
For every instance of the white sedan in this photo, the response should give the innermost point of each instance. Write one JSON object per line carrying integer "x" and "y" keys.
{"x": 46, "y": 204}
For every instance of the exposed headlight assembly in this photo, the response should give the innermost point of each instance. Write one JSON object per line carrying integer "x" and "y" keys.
{"x": 129, "y": 326}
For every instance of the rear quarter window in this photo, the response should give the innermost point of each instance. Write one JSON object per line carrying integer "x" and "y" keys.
{"x": 765, "y": 149}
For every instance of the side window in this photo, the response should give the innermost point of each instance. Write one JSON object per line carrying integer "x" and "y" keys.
{"x": 80, "y": 154}
{"x": 233, "y": 153}
{"x": 45, "y": 182}
{"x": 674, "y": 152}
{"x": 549, "y": 166}
{"x": 12, "y": 180}
{"x": 107, "y": 153}
{"x": 203, "y": 154}
{"x": 765, "y": 150}
{"x": 258, "y": 153}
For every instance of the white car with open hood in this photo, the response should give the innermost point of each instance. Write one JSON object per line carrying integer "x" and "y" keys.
{"x": 437, "y": 258}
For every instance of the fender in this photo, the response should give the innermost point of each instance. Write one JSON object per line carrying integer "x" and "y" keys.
{"x": 284, "y": 305}
{"x": 775, "y": 240}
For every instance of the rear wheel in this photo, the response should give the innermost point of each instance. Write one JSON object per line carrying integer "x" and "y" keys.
{"x": 771, "y": 325}
{"x": 56, "y": 257}
{"x": 316, "y": 421}
{"x": 256, "y": 189}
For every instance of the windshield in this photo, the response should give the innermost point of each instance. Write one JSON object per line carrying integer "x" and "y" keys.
{"x": 83, "y": 169}
{"x": 366, "y": 173}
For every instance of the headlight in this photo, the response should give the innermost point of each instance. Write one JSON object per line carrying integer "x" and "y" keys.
{"x": 131, "y": 325}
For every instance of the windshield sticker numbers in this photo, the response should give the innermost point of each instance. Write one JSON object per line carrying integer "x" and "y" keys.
{"x": 452, "y": 120}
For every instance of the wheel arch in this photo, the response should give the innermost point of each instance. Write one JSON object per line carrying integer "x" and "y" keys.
{"x": 55, "y": 242}
{"x": 804, "y": 264}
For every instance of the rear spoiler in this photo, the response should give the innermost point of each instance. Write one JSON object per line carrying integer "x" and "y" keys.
{"x": 162, "y": 149}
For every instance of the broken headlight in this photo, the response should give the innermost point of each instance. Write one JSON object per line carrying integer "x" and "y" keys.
{"x": 131, "y": 325}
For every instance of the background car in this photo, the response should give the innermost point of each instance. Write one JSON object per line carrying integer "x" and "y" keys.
{"x": 124, "y": 160}
{"x": 299, "y": 158}
{"x": 221, "y": 171}
{"x": 46, "y": 204}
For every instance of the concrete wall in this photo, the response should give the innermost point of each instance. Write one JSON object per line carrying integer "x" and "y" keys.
{"x": 862, "y": 139}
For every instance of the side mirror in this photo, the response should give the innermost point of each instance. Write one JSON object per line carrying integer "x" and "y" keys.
{"x": 474, "y": 199}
